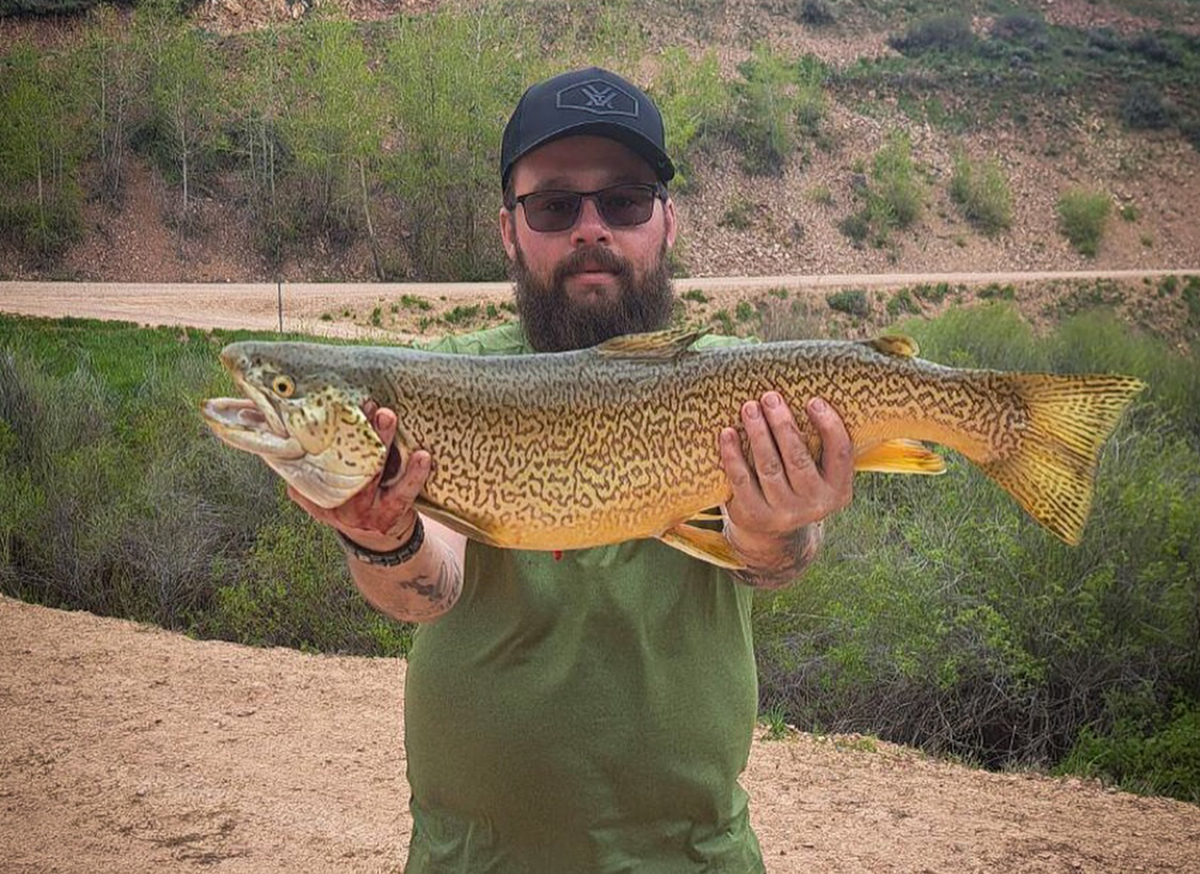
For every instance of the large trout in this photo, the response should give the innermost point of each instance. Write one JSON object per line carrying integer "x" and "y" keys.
{"x": 617, "y": 442}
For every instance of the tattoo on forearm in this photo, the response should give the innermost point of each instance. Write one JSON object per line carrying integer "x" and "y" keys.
{"x": 797, "y": 552}
{"x": 437, "y": 592}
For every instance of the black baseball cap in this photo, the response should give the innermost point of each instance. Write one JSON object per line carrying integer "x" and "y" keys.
{"x": 592, "y": 101}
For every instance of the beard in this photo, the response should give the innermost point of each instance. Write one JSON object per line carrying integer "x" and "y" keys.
{"x": 554, "y": 323}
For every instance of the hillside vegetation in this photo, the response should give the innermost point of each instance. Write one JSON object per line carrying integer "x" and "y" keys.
{"x": 816, "y": 136}
{"x": 938, "y": 616}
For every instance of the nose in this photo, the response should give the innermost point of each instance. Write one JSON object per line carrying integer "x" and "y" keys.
{"x": 590, "y": 227}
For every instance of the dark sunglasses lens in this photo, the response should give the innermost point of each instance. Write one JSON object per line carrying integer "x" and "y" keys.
{"x": 629, "y": 205}
{"x": 552, "y": 211}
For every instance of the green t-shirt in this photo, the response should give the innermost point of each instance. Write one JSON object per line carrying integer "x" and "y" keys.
{"x": 584, "y": 714}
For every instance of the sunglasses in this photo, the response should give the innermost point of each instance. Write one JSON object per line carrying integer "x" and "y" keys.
{"x": 621, "y": 206}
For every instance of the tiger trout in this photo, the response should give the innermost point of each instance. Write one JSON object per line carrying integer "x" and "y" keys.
{"x": 578, "y": 449}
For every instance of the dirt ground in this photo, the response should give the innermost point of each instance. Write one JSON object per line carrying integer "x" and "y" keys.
{"x": 128, "y": 748}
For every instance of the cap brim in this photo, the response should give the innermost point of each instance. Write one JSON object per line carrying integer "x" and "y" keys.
{"x": 658, "y": 160}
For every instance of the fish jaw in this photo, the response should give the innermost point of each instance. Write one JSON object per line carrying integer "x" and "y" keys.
{"x": 241, "y": 423}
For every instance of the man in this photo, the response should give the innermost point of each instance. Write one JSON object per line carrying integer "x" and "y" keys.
{"x": 590, "y": 711}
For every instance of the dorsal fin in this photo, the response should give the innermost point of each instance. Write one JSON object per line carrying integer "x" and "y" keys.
{"x": 671, "y": 343}
{"x": 896, "y": 345}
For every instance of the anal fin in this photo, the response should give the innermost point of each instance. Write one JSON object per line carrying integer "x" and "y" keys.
{"x": 709, "y": 546}
{"x": 900, "y": 456}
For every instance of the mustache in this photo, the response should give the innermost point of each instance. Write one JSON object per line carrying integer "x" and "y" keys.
{"x": 595, "y": 257}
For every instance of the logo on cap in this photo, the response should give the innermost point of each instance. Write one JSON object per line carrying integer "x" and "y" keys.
{"x": 598, "y": 97}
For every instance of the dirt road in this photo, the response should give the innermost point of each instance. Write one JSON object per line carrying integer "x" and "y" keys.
{"x": 315, "y": 308}
{"x": 129, "y": 749}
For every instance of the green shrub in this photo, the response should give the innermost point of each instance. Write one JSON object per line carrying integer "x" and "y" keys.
{"x": 1153, "y": 759}
{"x": 462, "y": 314}
{"x": 119, "y": 500}
{"x": 898, "y": 190}
{"x": 765, "y": 120}
{"x": 942, "y": 33}
{"x": 293, "y": 589}
{"x": 1156, "y": 49}
{"x": 811, "y": 103}
{"x": 940, "y": 615}
{"x": 902, "y": 302}
{"x": 851, "y": 301}
{"x": 815, "y": 13}
{"x": 1082, "y": 216}
{"x": 738, "y": 215}
{"x": 40, "y": 150}
{"x": 1018, "y": 26}
{"x": 1143, "y": 108}
{"x": 982, "y": 192}
{"x": 696, "y": 105}
{"x": 856, "y": 225}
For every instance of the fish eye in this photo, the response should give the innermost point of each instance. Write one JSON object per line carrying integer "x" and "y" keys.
{"x": 283, "y": 386}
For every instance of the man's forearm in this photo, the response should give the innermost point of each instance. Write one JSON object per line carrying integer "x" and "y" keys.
{"x": 419, "y": 590}
{"x": 777, "y": 562}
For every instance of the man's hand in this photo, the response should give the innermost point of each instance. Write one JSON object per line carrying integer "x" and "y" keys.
{"x": 786, "y": 491}
{"x": 380, "y": 518}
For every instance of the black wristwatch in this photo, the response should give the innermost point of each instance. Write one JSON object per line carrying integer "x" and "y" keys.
{"x": 399, "y": 555}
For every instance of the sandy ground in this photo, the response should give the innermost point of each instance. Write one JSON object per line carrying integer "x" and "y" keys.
{"x": 125, "y": 748}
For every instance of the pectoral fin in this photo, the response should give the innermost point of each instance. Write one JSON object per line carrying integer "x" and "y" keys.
{"x": 709, "y": 546}
{"x": 899, "y": 456}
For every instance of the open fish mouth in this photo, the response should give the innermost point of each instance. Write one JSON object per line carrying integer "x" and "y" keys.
{"x": 251, "y": 424}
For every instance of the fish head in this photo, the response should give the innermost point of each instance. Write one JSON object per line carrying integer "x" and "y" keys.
{"x": 302, "y": 416}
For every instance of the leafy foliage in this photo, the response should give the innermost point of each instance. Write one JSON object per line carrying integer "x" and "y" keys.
{"x": 940, "y": 616}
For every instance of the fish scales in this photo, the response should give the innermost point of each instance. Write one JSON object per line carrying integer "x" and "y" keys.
{"x": 571, "y": 445}
{"x": 619, "y": 442}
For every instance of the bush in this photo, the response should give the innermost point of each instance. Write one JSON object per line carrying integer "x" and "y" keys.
{"x": 1147, "y": 758}
{"x": 1144, "y": 108}
{"x": 766, "y": 109}
{"x": 856, "y": 226}
{"x": 852, "y": 302}
{"x": 982, "y": 193}
{"x": 1155, "y": 49}
{"x": 696, "y": 104}
{"x": 1082, "y": 216}
{"x": 939, "y": 616}
{"x": 943, "y": 33}
{"x": 896, "y": 181}
{"x": 119, "y": 501}
{"x": 1018, "y": 26}
{"x": 815, "y": 13}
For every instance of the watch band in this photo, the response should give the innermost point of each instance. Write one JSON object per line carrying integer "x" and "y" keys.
{"x": 399, "y": 555}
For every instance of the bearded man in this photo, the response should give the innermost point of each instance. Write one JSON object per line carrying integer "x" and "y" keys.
{"x": 593, "y": 710}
